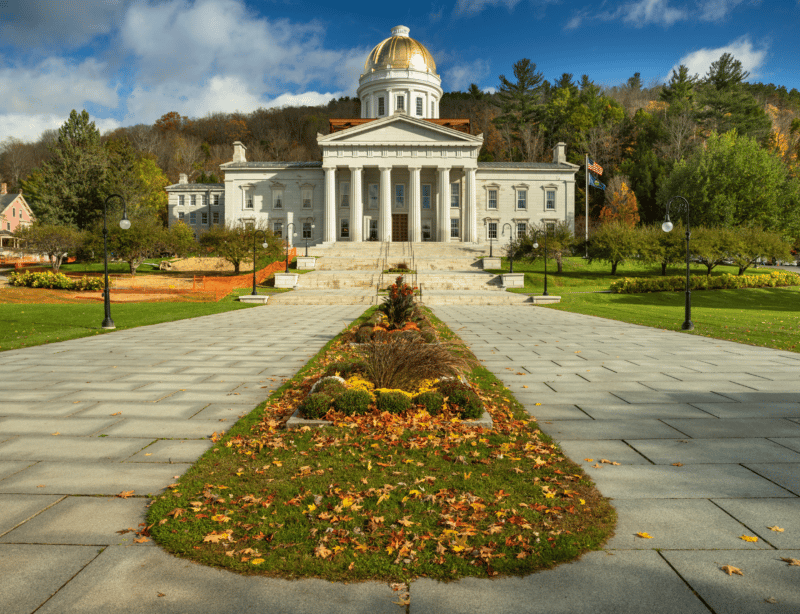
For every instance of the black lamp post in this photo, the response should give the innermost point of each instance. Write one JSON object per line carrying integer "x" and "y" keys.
{"x": 510, "y": 245}
{"x": 264, "y": 244}
{"x": 124, "y": 223}
{"x": 536, "y": 246}
{"x": 287, "y": 245}
{"x": 666, "y": 227}
{"x": 487, "y": 222}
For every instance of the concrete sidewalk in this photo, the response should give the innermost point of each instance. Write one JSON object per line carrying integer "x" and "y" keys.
{"x": 133, "y": 409}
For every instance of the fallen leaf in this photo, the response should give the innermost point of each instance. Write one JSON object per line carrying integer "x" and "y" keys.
{"x": 589, "y": 460}
{"x": 730, "y": 570}
{"x": 748, "y": 538}
{"x": 644, "y": 535}
{"x": 40, "y": 486}
{"x": 56, "y": 433}
{"x": 125, "y": 494}
{"x": 771, "y": 600}
{"x": 141, "y": 540}
{"x": 116, "y": 413}
{"x": 524, "y": 386}
{"x": 792, "y": 562}
{"x": 148, "y": 454}
{"x": 256, "y": 561}
{"x": 776, "y": 528}
{"x": 161, "y": 594}
{"x": 123, "y": 531}
{"x": 677, "y": 464}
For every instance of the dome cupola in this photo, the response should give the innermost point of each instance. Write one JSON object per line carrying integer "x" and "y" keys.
{"x": 400, "y": 76}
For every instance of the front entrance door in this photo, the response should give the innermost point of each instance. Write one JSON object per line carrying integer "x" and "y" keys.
{"x": 399, "y": 227}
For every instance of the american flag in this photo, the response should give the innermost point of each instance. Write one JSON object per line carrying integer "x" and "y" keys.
{"x": 595, "y": 167}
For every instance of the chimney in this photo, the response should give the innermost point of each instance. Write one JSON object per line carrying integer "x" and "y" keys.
{"x": 560, "y": 153}
{"x": 183, "y": 178}
{"x": 3, "y": 188}
{"x": 238, "y": 152}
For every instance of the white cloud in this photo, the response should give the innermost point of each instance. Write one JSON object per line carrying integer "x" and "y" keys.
{"x": 461, "y": 76}
{"x": 717, "y": 10}
{"x": 698, "y": 62}
{"x": 29, "y": 127}
{"x": 56, "y": 86}
{"x": 53, "y": 23}
{"x": 470, "y": 8}
{"x": 637, "y": 14}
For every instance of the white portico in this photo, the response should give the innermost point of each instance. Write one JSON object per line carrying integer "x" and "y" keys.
{"x": 400, "y": 178}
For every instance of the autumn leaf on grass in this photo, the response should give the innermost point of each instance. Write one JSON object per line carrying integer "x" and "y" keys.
{"x": 792, "y": 562}
{"x": 256, "y": 561}
{"x": 644, "y": 535}
{"x": 220, "y": 518}
{"x": 730, "y": 570}
{"x": 215, "y": 537}
{"x": 322, "y": 552}
{"x": 748, "y": 538}
{"x": 776, "y": 528}
{"x": 125, "y": 494}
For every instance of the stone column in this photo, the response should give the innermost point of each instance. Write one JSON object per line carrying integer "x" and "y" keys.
{"x": 415, "y": 195}
{"x": 330, "y": 204}
{"x": 444, "y": 205}
{"x": 471, "y": 203}
{"x": 385, "y": 216}
{"x": 356, "y": 205}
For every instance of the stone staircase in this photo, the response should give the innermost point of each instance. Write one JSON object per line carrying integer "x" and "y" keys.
{"x": 447, "y": 273}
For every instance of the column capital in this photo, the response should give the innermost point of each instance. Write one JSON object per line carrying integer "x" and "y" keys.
{"x": 385, "y": 168}
{"x": 414, "y": 168}
{"x": 356, "y": 168}
{"x": 329, "y": 168}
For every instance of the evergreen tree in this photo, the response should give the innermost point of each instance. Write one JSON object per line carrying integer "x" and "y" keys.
{"x": 520, "y": 102}
{"x": 680, "y": 90}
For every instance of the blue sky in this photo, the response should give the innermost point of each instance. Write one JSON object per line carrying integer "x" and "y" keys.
{"x": 131, "y": 61}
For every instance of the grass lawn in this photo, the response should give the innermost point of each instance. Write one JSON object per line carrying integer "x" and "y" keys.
{"x": 29, "y": 324}
{"x": 380, "y": 496}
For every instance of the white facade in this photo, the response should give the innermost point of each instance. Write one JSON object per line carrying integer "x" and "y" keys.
{"x": 399, "y": 177}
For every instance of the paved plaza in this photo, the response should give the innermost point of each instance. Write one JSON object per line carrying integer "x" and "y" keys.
{"x": 706, "y": 434}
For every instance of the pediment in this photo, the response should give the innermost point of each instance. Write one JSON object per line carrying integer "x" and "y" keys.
{"x": 398, "y": 130}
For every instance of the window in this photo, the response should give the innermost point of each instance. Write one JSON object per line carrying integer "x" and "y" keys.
{"x": 492, "y": 230}
{"x": 193, "y": 217}
{"x": 426, "y": 195}
{"x": 307, "y": 193}
{"x": 215, "y": 217}
{"x": 344, "y": 194}
{"x": 8, "y": 225}
{"x": 455, "y": 196}
{"x": 194, "y": 200}
{"x": 550, "y": 200}
{"x": 426, "y": 230}
{"x": 181, "y": 200}
{"x": 248, "y": 201}
{"x": 277, "y": 199}
{"x": 204, "y": 218}
{"x": 432, "y": 113}
{"x": 277, "y": 229}
{"x": 216, "y": 200}
{"x": 381, "y": 106}
{"x": 369, "y": 106}
{"x": 306, "y": 230}
{"x": 399, "y": 196}
{"x": 419, "y": 106}
{"x": 401, "y": 103}
{"x": 522, "y": 199}
{"x": 180, "y": 215}
{"x": 373, "y": 230}
{"x": 551, "y": 226}
{"x": 522, "y": 228}
{"x": 14, "y": 212}
{"x": 491, "y": 199}
{"x": 205, "y": 200}
{"x": 374, "y": 195}
{"x": 454, "y": 228}
{"x": 344, "y": 233}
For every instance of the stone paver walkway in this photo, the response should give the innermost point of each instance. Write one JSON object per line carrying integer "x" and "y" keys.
{"x": 134, "y": 408}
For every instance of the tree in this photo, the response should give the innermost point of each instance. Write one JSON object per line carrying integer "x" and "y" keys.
{"x": 734, "y": 182}
{"x": 54, "y": 240}
{"x": 614, "y": 243}
{"x": 560, "y": 241}
{"x": 713, "y": 246}
{"x": 663, "y": 248}
{"x": 679, "y": 92}
{"x": 754, "y": 244}
{"x": 68, "y": 188}
{"x": 16, "y": 159}
{"x": 137, "y": 178}
{"x": 144, "y": 239}
{"x": 520, "y": 101}
{"x": 179, "y": 240}
{"x": 620, "y": 203}
{"x": 234, "y": 243}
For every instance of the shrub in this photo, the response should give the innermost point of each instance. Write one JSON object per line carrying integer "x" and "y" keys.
{"x": 353, "y": 402}
{"x": 432, "y": 401}
{"x": 702, "y": 282}
{"x": 344, "y": 368}
{"x": 58, "y": 281}
{"x": 393, "y": 401}
{"x": 330, "y": 385}
{"x": 462, "y": 397}
{"x": 400, "y": 362}
{"x": 399, "y": 305}
{"x": 364, "y": 334}
{"x": 316, "y": 405}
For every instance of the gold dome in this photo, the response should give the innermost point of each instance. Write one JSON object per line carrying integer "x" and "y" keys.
{"x": 400, "y": 51}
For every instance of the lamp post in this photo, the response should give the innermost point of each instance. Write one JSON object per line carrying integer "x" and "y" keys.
{"x": 536, "y": 246}
{"x": 124, "y": 223}
{"x": 666, "y": 227}
{"x": 311, "y": 221}
{"x": 510, "y": 244}
{"x": 264, "y": 244}
{"x": 287, "y": 245}
{"x": 486, "y": 222}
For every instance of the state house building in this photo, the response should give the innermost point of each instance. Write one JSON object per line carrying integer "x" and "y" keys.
{"x": 397, "y": 173}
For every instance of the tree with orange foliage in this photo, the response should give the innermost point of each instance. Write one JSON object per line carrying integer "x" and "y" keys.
{"x": 620, "y": 204}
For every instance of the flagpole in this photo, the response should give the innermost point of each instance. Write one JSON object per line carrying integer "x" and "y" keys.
{"x": 586, "y": 208}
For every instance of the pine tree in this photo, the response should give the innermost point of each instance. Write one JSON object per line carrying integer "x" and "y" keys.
{"x": 520, "y": 102}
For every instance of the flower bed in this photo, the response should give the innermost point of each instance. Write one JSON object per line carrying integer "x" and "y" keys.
{"x": 704, "y": 282}
{"x": 55, "y": 281}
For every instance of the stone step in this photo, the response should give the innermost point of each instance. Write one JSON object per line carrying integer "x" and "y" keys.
{"x": 326, "y": 297}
